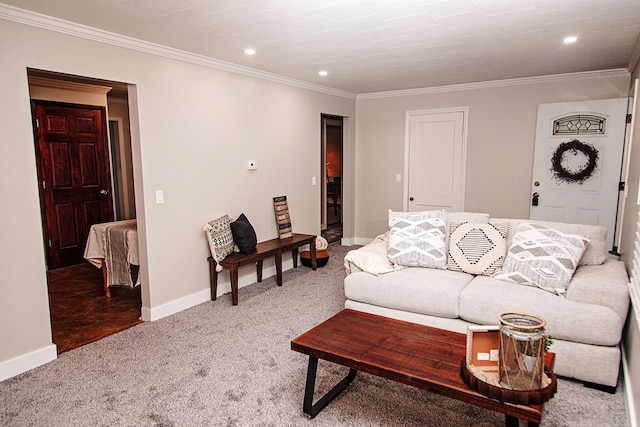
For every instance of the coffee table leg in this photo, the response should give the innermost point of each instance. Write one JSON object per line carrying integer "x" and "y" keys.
{"x": 511, "y": 421}
{"x": 307, "y": 405}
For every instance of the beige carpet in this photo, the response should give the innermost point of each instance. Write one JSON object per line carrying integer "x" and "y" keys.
{"x": 219, "y": 365}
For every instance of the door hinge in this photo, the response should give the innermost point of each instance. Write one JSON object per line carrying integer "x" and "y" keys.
{"x": 37, "y": 123}
{"x": 44, "y": 185}
{"x": 49, "y": 242}
{"x": 629, "y": 117}
{"x": 621, "y": 185}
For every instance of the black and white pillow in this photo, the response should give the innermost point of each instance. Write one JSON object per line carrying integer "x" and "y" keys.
{"x": 544, "y": 257}
{"x": 417, "y": 239}
{"x": 477, "y": 248}
{"x": 220, "y": 238}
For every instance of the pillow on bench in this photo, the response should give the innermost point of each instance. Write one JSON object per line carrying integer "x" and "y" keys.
{"x": 244, "y": 236}
{"x": 220, "y": 238}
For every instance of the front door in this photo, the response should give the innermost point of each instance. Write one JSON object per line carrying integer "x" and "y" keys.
{"x": 74, "y": 176}
{"x": 577, "y": 162}
{"x": 435, "y": 159}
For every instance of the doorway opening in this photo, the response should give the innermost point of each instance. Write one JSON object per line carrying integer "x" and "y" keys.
{"x": 85, "y": 175}
{"x": 331, "y": 167}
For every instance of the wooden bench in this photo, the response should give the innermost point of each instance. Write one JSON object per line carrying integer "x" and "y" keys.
{"x": 274, "y": 247}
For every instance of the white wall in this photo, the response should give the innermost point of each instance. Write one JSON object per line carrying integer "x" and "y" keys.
{"x": 501, "y": 134}
{"x": 193, "y": 130}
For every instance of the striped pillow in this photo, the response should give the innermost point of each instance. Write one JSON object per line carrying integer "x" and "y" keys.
{"x": 477, "y": 248}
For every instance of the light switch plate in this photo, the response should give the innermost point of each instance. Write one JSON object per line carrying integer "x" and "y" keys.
{"x": 159, "y": 197}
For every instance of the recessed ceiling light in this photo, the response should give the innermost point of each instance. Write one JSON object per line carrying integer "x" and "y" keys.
{"x": 322, "y": 73}
{"x": 250, "y": 51}
{"x": 570, "y": 39}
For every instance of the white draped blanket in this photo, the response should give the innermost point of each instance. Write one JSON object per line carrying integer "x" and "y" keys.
{"x": 114, "y": 245}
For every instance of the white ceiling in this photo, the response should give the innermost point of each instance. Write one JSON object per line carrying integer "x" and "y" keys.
{"x": 376, "y": 45}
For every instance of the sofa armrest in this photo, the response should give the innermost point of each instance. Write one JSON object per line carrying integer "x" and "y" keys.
{"x": 606, "y": 285}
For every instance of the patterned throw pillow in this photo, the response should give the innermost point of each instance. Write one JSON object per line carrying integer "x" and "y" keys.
{"x": 477, "y": 248}
{"x": 220, "y": 238}
{"x": 417, "y": 239}
{"x": 543, "y": 257}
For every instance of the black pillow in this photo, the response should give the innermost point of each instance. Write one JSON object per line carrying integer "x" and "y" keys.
{"x": 244, "y": 236}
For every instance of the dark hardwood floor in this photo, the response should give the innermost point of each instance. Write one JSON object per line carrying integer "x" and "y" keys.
{"x": 80, "y": 311}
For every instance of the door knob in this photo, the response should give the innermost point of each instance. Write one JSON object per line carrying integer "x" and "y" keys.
{"x": 105, "y": 192}
{"x": 411, "y": 199}
{"x": 534, "y": 199}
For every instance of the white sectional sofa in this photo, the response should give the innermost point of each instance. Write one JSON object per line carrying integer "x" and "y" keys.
{"x": 585, "y": 322}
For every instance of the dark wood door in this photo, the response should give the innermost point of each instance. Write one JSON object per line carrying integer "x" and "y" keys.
{"x": 72, "y": 156}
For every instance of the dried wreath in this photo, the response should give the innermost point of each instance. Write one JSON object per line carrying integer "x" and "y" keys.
{"x": 561, "y": 173}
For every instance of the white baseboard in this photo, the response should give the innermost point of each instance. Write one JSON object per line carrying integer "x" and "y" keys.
{"x": 629, "y": 392}
{"x": 355, "y": 241}
{"x": 25, "y": 362}
{"x": 173, "y": 307}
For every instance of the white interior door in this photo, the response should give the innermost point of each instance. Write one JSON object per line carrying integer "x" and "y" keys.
{"x": 577, "y": 162}
{"x": 435, "y": 159}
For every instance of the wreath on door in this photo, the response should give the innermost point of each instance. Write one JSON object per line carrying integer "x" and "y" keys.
{"x": 559, "y": 166}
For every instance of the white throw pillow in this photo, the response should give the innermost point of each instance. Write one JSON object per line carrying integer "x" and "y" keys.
{"x": 544, "y": 257}
{"x": 477, "y": 248}
{"x": 417, "y": 239}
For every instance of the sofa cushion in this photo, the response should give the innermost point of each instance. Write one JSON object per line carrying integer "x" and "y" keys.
{"x": 596, "y": 252}
{"x": 482, "y": 301}
{"x": 543, "y": 257}
{"x": 477, "y": 248}
{"x": 605, "y": 284}
{"x": 419, "y": 290}
{"x": 417, "y": 239}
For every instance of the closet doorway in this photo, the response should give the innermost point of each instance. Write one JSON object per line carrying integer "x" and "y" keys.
{"x": 331, "y": 167}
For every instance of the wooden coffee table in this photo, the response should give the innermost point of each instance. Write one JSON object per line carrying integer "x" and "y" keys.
{"x": 417, "y": 355}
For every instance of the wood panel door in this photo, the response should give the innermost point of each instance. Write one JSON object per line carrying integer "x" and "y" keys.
{"x": 72, "y": 157}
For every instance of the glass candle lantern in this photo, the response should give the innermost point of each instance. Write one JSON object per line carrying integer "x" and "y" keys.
{"x": 521, "y": 360}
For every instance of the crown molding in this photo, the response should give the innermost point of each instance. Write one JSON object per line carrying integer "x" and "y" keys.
{"x": 554, "y": 78}
{"x": 46, "y": 22}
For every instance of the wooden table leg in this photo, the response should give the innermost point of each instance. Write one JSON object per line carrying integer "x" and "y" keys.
{"x": 312, "y": 249}
{"x": 279, "y": 268}
{"x": 233, "y": 272}
{"x": 107, "y": 291}
{"x": 294, "y": 256}
{"x": 213, "y": 278}
{"x": 259, "y": 270}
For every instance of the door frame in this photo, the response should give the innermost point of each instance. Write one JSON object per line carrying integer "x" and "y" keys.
{"x": 45, "y": 196}
{"x": 324, "y": 118}
{"x": 407, "y": 144}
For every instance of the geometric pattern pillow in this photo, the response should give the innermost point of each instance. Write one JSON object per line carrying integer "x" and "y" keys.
{"x": 543, "y": 257}
{"x": 477, "y": 248}
{"x": 220, "y": 238}
{"x": 416, "y": 239}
